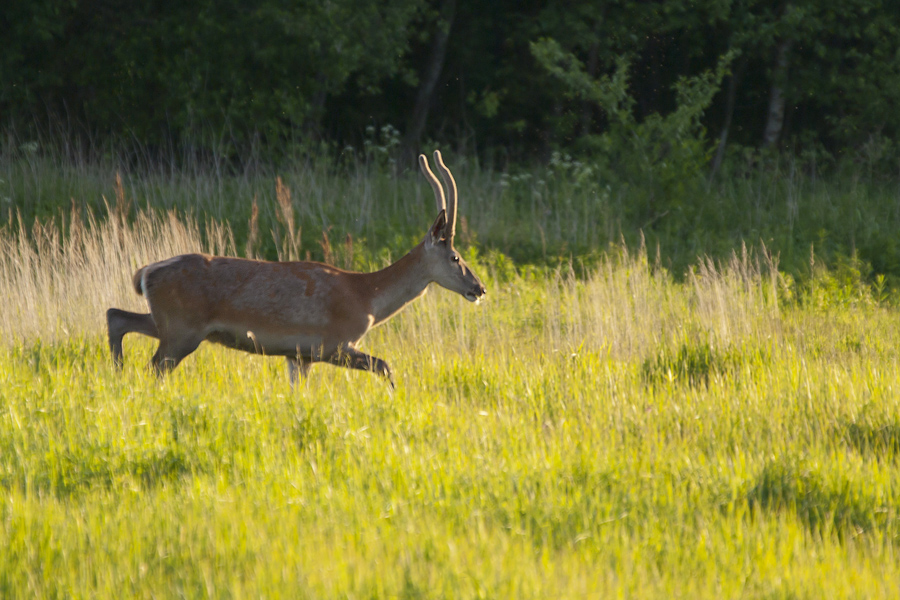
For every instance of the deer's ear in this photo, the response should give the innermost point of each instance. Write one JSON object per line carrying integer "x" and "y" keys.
{"x": 436, "y": 233}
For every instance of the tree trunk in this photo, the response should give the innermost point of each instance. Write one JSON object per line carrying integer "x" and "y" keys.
{"x": 730, "y": 97}
{"x": 775, "y": 119}
{"x": 425, "y": 96}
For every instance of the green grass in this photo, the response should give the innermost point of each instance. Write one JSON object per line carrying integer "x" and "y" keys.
{"x": 608, "y": 425}
{"x": 534, "y": 215}
{"x": 618, "y": 434}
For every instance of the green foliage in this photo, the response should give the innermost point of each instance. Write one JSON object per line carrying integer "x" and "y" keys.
{"x": 847, "y": 283}
{"x": 661, "y": 157}
{"x": 212, "y": 75}
{"x": 241, "y": 80}
{"x": 845, "y": 58}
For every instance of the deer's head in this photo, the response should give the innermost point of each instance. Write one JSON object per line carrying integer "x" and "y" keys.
{"x": 446, "y": 267}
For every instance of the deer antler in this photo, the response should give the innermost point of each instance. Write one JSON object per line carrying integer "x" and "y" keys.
{"x": 435, "y": 184}
{"x": 451, "y": 193}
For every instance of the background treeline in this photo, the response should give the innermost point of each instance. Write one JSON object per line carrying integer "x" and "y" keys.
{"x": 235, "y": 75}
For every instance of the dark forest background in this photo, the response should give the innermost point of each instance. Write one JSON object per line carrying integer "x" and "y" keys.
{"x": 515, "y": 80}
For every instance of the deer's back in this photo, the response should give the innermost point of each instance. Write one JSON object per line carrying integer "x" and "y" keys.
{"x": 288, "y": 297}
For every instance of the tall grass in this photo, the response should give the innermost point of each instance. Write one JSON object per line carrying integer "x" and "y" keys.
{"x": 600, "y": 431}
{"x": 535, "y": 215}
{"x": 57, "y": 283}
{"x": 55, "y": 286}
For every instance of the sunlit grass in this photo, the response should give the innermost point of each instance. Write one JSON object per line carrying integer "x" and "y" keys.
{"x": 616, "y": 435}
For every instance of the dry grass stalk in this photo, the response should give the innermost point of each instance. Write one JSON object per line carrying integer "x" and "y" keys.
{"x": 253, "y": 231}
{"x": 289, "y": 244}
{"x": 54, "y": 286}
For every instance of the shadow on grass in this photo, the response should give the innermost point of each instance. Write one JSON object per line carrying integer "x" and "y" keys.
{"x": 83, "y": 469}
{"x": 824, "y": 503}
{"x": 83, "y": 464}
{"x": 696, "y": 362}
{"x": 880, "y": 441}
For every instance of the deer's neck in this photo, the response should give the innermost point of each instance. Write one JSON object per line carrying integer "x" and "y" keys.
{"x": 396, "y": 286}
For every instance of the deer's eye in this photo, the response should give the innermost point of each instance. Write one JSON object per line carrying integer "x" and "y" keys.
{"x": 455, "y": 258}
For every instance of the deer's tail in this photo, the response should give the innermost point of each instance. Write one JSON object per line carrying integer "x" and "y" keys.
{"x": 138, "y": 281}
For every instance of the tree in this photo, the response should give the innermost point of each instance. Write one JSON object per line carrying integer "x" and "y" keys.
{"x": 239, "y": 68}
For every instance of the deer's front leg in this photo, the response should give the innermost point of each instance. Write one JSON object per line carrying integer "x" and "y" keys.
{"x": 354, "y": 359}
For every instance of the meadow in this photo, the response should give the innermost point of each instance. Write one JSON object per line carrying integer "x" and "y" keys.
{"x": 604, "y": 425}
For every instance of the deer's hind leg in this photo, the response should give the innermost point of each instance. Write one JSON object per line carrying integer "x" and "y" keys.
{"x": 175, "y": 343}
{"x": 120, "y": 322}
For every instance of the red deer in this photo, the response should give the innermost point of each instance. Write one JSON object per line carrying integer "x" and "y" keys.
{"x": 306, "y": 311}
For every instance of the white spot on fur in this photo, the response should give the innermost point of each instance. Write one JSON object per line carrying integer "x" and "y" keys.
{"x": 144, "y": 282}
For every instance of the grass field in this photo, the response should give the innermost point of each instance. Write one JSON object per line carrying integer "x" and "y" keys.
{"x": 534, "y": 215}
{"x": 616, "y": 434}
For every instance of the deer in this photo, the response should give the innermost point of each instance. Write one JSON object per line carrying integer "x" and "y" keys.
{"x": 306, "y": 311}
